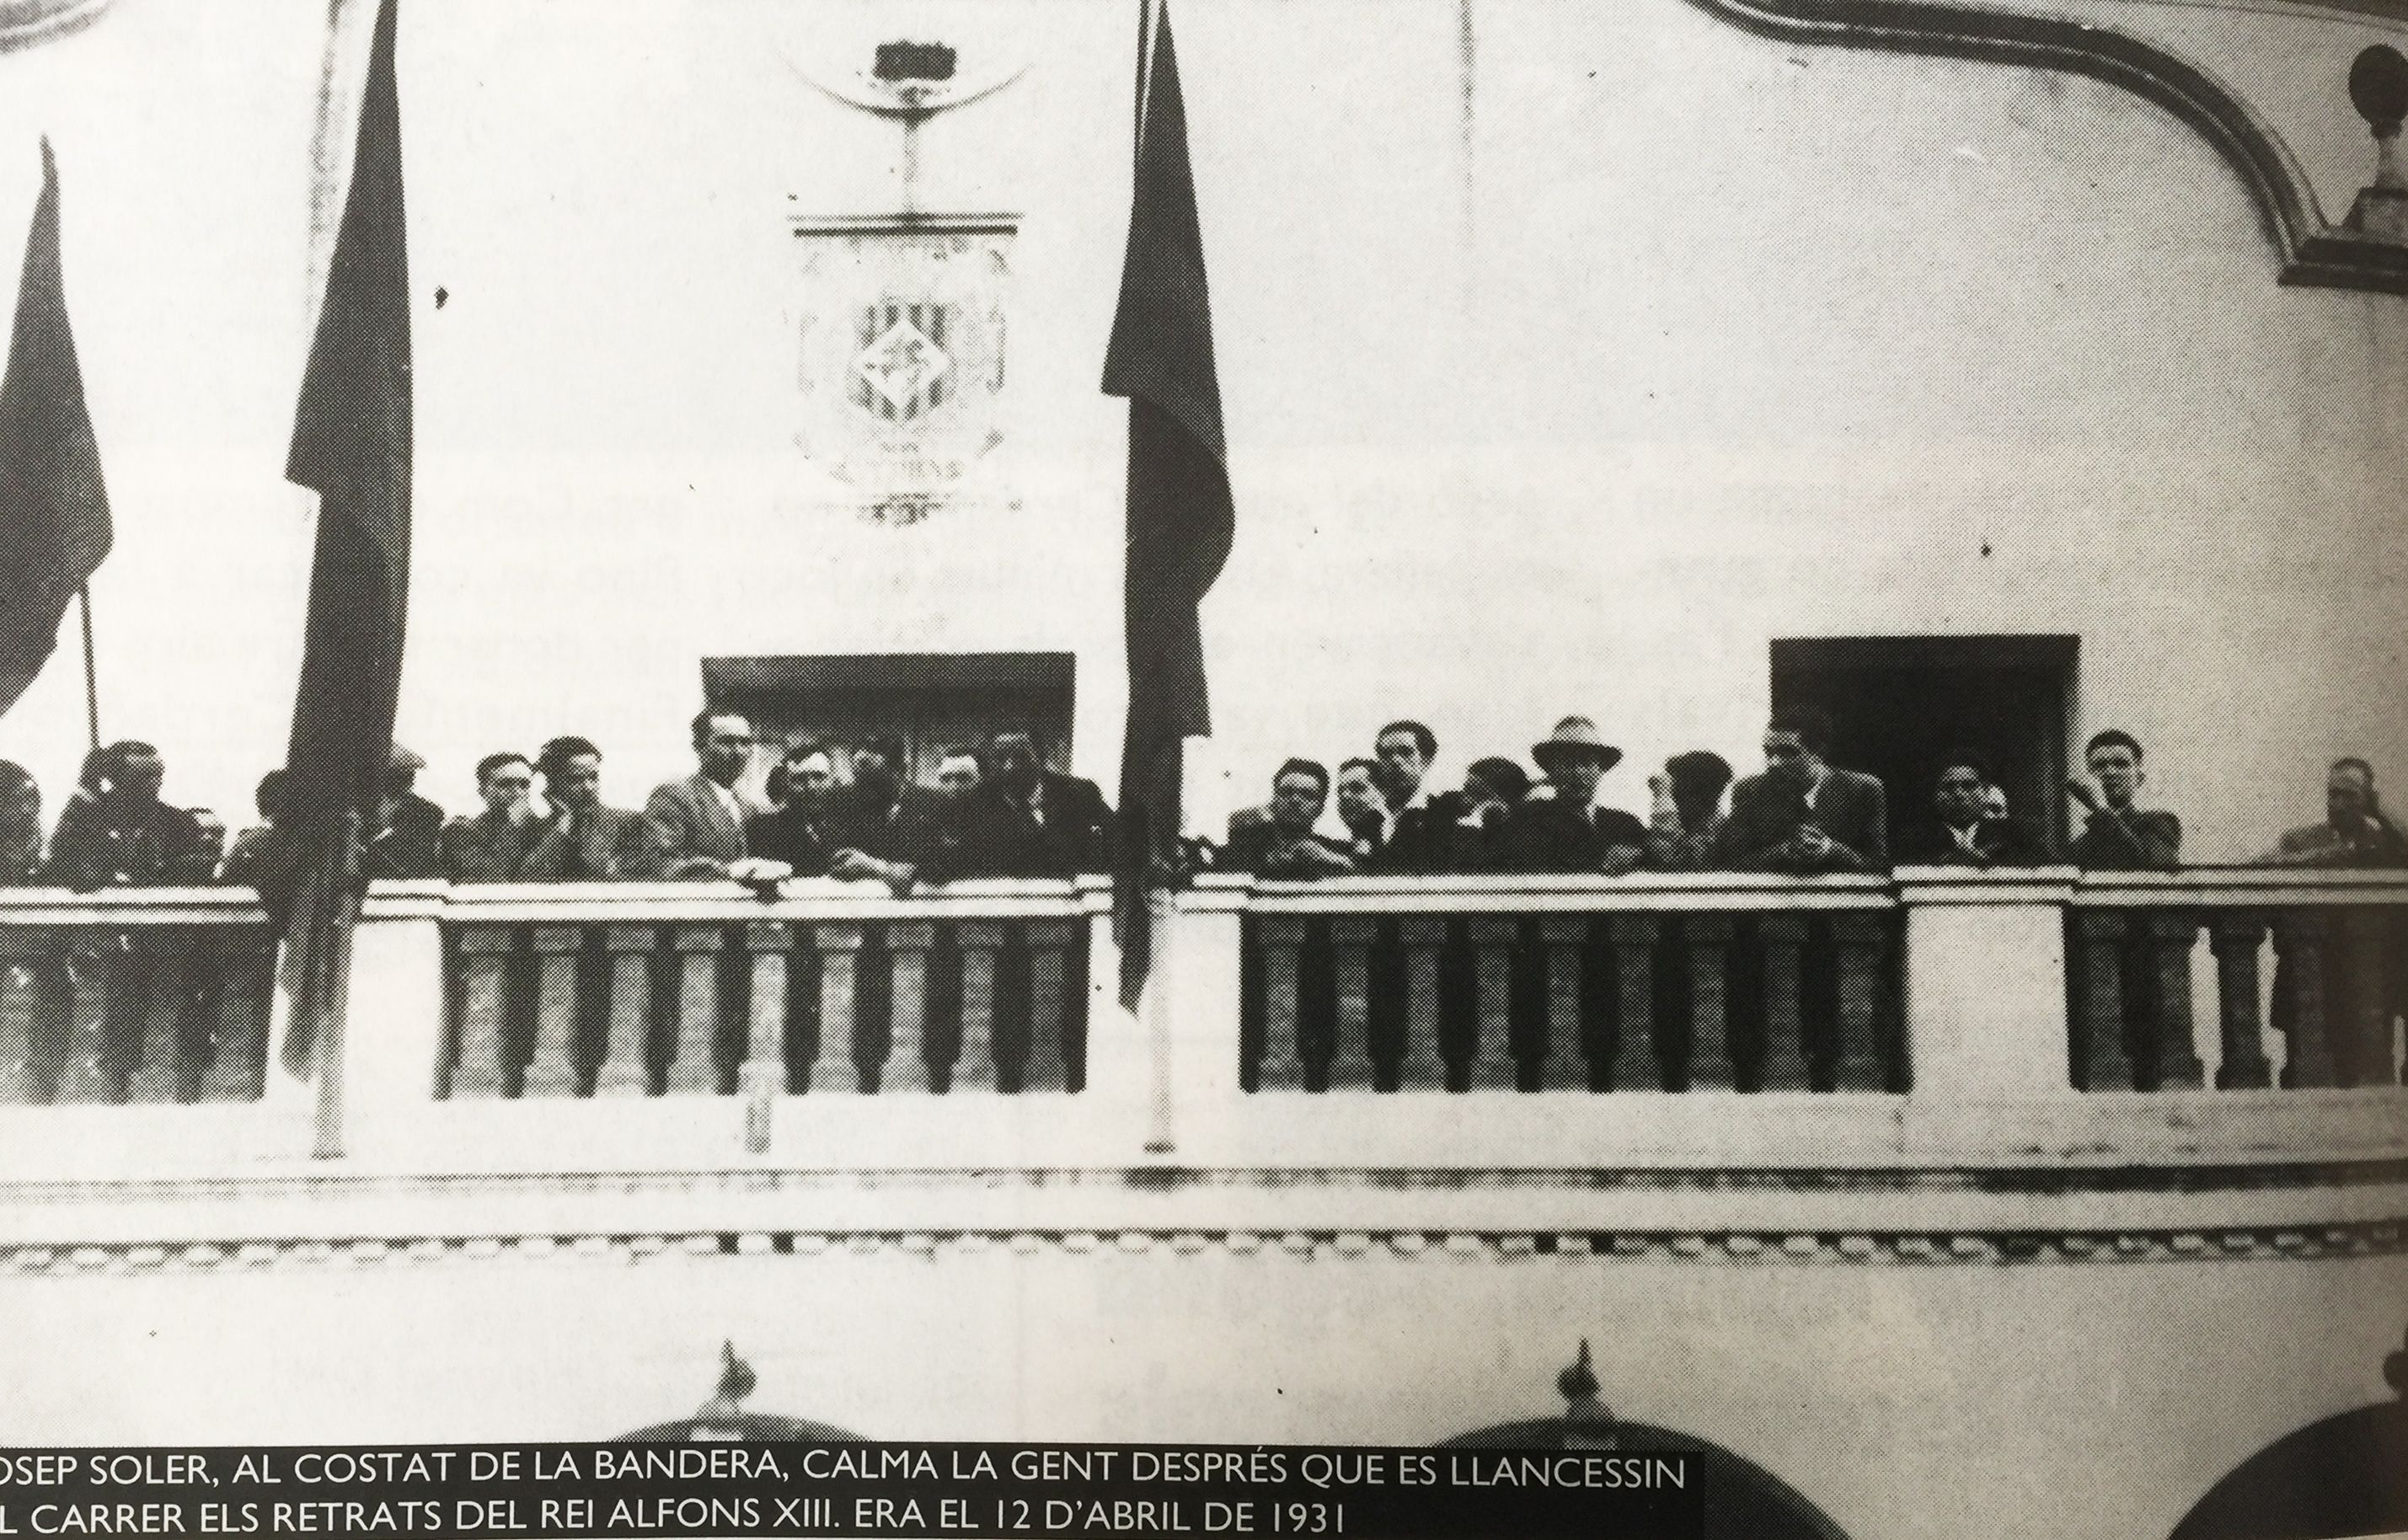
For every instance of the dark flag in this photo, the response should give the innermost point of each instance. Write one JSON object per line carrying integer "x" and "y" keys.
{"x": 54, "y": 527}
{"x": 351, "y": 444}
{"x": 1179, "y": 513}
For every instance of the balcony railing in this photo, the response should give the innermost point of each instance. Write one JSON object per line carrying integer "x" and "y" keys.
{"x": 1933, "y": 1018}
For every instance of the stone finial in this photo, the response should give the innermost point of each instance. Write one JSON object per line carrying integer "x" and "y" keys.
{"x": 2378, "y": 87}
{"x": 736, "y": 1381}
{"x": 1588, "y": 1425}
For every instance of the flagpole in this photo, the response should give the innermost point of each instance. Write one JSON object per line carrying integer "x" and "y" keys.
{"x": 1137, "y": 131}
{"x": 91, "y": 670}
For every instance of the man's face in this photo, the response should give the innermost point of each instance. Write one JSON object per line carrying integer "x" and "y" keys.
{"x": 2349, "y": 796}
{"x": 1574, "y": 777}
{"x": 1014, "y": 757}
{"x": 212, "y": 829}
{"x": 142, "y": 776}
{"x": 1402, "y": 765}
{"x": 809, "y": 779}
{"x": 1297, "y": 801}
{"x": 1359, "y": 804}
{"x": 508, "y": 784}
{"x": 871, "y": 773}
{"x": 2119, "y": 772}
{"x": 1788, "y": 760}
{"x": 723, "y": 753}
{"x": 576, "y": 782}
{"x": 958, "y": 777}
{"x": 1961, "y": 796}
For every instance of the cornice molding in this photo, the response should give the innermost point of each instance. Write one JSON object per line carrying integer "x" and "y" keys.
{"x": 2310, "y": 249}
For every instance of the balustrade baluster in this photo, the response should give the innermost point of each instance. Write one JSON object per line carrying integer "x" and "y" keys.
{"x": 1424, "y": 1066}
{"x": 1386, "y": 1008}
{"x": 627, "y": 1061}
{"x": 802, "y": 1031}
{"x": 1280, "y": 945}
{"x": 238, "y": 1064}
{"x": 1863, "y": 1057}
{"x": 1343, "y": 979}
{"x": 484, "y": 1066}
{"x": 762, "y": 1075}
{"x": 981, "y": 940}
{"x": 941, "y": 1020}
{"x": 1499, "y": 1035}
{"x": 2105, "y": 1063}
{"x": 2299, "y": 998}
{"x": 2174, "y": 1050}
{"x": 553, "y": 1069}
{"x": 154, "y": 1041}
{"x": 908, "y": 945}
{"x": 33, "y": 992}
{"x": 104, "y": 979}
{"x": 2236, "y": 937}
{"x": 1707, "y": 939}
{"x": 1048, "y": 951}
{"x": 2359, "y": 1006}
{"x": 839, "y": 949}
{"x": 1782, "y": 1054}
{"x": 1636, "y": 938}
{"x": 1561, "y": 938}
{"x": 1015, "y": 1010}
{"x": 694, "y": 1071}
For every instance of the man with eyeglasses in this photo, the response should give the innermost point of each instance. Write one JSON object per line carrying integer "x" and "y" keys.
{"x": 493, "y": 846}
{"x": 697, "y": 823}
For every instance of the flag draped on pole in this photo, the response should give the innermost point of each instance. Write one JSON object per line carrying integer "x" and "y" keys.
{"x": 55, "y": 526}
{"x": 351, "y": 445}
{"x": 1180, "y": 514}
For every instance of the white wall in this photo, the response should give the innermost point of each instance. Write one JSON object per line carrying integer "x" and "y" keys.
{"x": 1730, "y": 340}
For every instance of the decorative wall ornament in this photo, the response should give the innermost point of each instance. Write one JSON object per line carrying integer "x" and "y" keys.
{"x": 2311, "y": 249}
{"x": 900, "y": 338}
{"x": 24, "y": 24}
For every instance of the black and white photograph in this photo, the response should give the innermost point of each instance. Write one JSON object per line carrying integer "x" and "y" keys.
{"x": 1078, "y": 767}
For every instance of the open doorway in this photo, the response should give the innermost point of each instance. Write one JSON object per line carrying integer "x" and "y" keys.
{"x": 1900, "y": 705}
{"x": 931, "y": 701}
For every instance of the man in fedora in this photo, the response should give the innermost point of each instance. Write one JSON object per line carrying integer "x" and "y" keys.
{"x": 1804, "y": 815}
{"x": 1568, "y": 832}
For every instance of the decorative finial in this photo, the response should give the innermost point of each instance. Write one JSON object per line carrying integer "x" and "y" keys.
{"x": 2395, "y": 1368}
{"x": 1588, "y": 1425}
{"x": 736, "y": 1381}
{"x": 2378, "y": 87}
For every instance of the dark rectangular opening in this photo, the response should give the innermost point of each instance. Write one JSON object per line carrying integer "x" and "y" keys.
{"x": 930, "y": 700}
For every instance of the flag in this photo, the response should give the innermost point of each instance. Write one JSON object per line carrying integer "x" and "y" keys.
{"x": 55, "y": 526}
{"x": 1180, "y": 514}
{"x": 351, "y": 445}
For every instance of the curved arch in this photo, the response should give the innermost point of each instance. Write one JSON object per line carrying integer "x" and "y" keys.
{"x": 24, "y": 24}
{"x": 1743, "y": 1501}
{"x": 2346, "y": 1474}
{"x": 2311, "y": 249}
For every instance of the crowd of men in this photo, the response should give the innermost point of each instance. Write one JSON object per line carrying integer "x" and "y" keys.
{"x": 996, "y": 810}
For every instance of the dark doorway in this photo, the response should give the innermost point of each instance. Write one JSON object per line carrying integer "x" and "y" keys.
{"x": 1901, "y": 705}
{"x": 930, "y": 700}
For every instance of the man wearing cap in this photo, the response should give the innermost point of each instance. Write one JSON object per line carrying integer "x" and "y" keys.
{"x": 407, "y": 845}
{"x": 1568, "y": 832}
{"x": 1803, "y": 815}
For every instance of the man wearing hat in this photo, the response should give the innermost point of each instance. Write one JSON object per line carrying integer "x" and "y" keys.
{"x": 1569, "y": 832}
{"x": 407, "y": 845}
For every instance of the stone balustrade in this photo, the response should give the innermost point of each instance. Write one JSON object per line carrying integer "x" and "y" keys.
{"x": 1933, "y": 1018}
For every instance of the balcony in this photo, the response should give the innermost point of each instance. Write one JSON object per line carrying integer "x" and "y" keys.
{"x": 1939, "y": 1018}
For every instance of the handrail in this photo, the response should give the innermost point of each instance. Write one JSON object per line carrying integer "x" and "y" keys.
{"x": 1544, "y": 894}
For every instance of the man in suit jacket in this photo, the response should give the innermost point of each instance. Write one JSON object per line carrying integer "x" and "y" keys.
{"x": 802, "y": 831}
{"x": 2117, "y": 835}
{"x": 1418, "y": 834}
{"x": 1277, "y": 840}
{"x": 584, "y": 841}
{"x": 120, "y": 834}
{"x": 2355, "y": 832}
{"x": 1047, "y": 823}
{"x": 1803, "y": 815}
{"x": 884, "y": 825}
{"x": 493, "y": 846}
{"x": 1966, "y": 834}
{"x": 406, "y": 843}
{"x": 1569, "y": 832}
{"x": 697, "y": 825}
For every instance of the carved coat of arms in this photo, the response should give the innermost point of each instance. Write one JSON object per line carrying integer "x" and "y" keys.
{"x": 901, "y": 359}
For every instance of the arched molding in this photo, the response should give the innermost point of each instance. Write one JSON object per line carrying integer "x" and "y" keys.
{"x": 2345, "y": 1475}
{"x": 25, "y": 24}
{"x": 2310, "y": 249}
{"x": 1743, "y": 1501}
